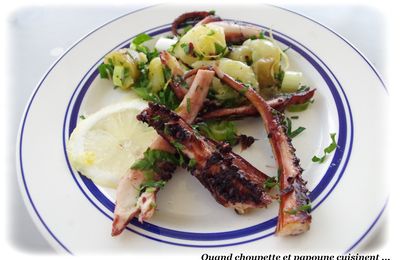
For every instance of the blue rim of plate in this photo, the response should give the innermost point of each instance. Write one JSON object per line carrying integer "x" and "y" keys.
{"x": 92, "y": 74}
{"x": 19, "y": 148}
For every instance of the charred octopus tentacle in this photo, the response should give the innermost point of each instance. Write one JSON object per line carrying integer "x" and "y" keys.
{"x": 232, "y": 181}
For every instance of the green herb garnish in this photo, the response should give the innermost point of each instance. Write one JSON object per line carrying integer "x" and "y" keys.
{"x": 261, "y": 35}
{"x": 141, "y": 38}
{"x": 211, "y": 32}
{"x": 299, "y": 107}
{"x": 302, "y": 208}
{"x": 222, "y": 131}
{"x": 164, "y": 97}
{"x": 136, "y": 44}
{"x": 106, "y": 71}
{"x": 331, "y": 147}
{"x": 198, "y": 55}
{"x": 152, "y": 185}
{"x": 219, "y": 49}
{"x": 292, "y": 134}
{"x": 270, "y": 183}
{"x": 179, "y": 147}
{"x": 279, "y": 76}
{"x": 186, "y": 48}
{"x": 167, "y": 73}
{"x": 303, "y": 88}
{"x": 192, "y": 163}
{"x": 150, "y": 159}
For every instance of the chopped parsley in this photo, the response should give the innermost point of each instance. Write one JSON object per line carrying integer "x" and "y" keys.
{"x": 211, "y": 33}
{"x": 150, "y": 159}
{"x": 219, "y": 49}
{"x": 198, "y": 55}
{"x": 303, "y": 88}
{"x": 106, "y": 71}
{"x": 167, "y": 73}
{"x": 192, "y": 163}
{"x": 261, "y": 35}
{"x": 164, "y": 97}
{"x": 302, "y": 208}
{"x": 185, "y": 47}
{"x": 179, "y": 148}
{"x": 152, "y": 185}
{"x": 279, "y": 76}
{"x": 141, "y": 38}
{"x": 270, "y": 183}
{"x": 136, "y": 44}
{"x": 330, "y": 148}
{"x": 178, "y": 145}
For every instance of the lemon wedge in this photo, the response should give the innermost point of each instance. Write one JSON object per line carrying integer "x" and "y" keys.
{"x": 105, "y": 144}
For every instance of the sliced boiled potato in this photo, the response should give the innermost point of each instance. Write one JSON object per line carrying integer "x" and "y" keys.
{"x": 125, "y": 60}
{"x": 263, "y": 68}
{"x": 236, "y": 69}
{"x": 241, "y": 53}
{"x": 156, "y": 75}
{"x": 239, "y": 71}
{"x": 291, "y": 81}
{"x": 105, "y": 144}
{"x": 207, "y": 42}
{"x": 263, "y": 48}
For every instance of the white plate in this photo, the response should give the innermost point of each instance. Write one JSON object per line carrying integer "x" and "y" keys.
{"x": 348, "y": 190}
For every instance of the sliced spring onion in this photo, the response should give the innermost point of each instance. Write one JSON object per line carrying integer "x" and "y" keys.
{"x": 330, "y": 148}
{"x": 298, "y": 107}
{"x": 291, "y": 81}
{"x": 118, "y": 75}
{"x": 163, "y": 44}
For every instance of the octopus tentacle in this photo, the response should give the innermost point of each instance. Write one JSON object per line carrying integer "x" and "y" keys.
{"x": 128, "y": 204}
{"x": 190, "y": 16}
{"x": 294, "y": 212}
{"x": 232, "y": 181}
{"x": 176, "y": 73}
{"x": 279, "y": 103}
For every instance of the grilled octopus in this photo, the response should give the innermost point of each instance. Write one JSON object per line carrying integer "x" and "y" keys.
{"x": 279, "y": 103}
{"x": 178, "y": 76}
{"x": 232, "y": 181}
{"x": 294, "y": 217}
{"x": 129, "y": 202}
{"x": 294, "y": 210}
